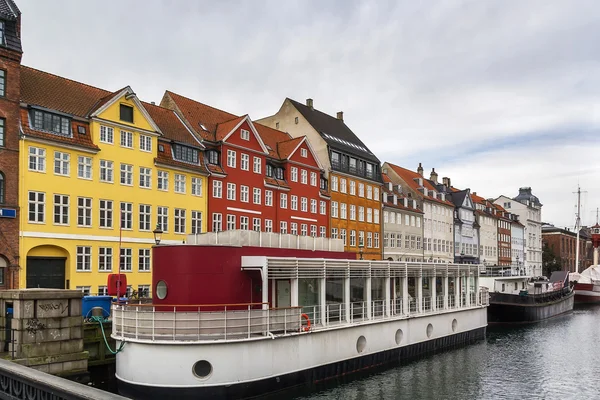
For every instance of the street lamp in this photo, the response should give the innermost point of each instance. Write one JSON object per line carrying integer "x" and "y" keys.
{"x": 361, "y": 248}
{"x": 157, "y": 234}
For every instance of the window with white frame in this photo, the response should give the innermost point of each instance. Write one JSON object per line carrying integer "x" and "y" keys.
{"x": 144, "y": 260}
{"x": 342, "y": 185}
{"x": 393, "y": 240}
{"x": 231, "y": 158}
{"x": 217, "y": 189}
{"x": 376, "y": 240}
{"x": 196, "y": 222}
{"x": 256, "y": 196}
{"x": 407, "y": 220}
{"x": 84, "y": 211}
{"x": 369, "y": 215}
{"x": 231, "y": 190}
{"x": 313, "y": 206}
{"x": 376, "y": 194}
{"x": 62, "y": 163}
{"x": 268, "y": 198}
{"x": 126, "y": 174}
{"x": 163, "y": 180}
{"x": 61, "y": 209}
{"x": 334, "y": 209}
{"x": 313, "y": 230}
{"x": 352, "y": 212}
{"x": 106, "y": 171}
{"x": 369, "y": 239}
{"x": 244, "y": 223}
{"x": 37, "y": 159}
{"x": 334, "y": 183}
{"x": 84, "y": 167}
{"x": 370, "y": 192}
{"x": 244, "y": 194}
{"x": 361, "y": 190}
{"x": 343, "y": 236}
{"x": 304, "y": 177}
{"x": 146, "y": 178}
{"x": 126, "y": 215}
{"x": 245, "y": 134}
{"x": 84, "y": 258}
{"x": 283, "y": 227}
{"x": 125, "y": 259}
{"x": 145, "y": 143}
{"x": 231, "y": 222}
{"x": 283, "y": 200}
{"x": 352, "y": 238}
{"x": 293, "y": 202}
{"x": 180, "y": 183}
{"x": 85, "y": 290}
{"x": 245, "y": 162}
{"x": 268, "y": 225}
{"x": 361, "y": 214}
{"x": 294, "y": 228}
{"x": 376, "y": 216}
{"x": 257, "y": 165}
{"x": 343, "y": 211}
{"x": 294, "y": 174}
{"x": 196, "y": 186}
{"x": 361, "y": 238}
{"x": 105, "y": 259}
{"x": 303, "y": 229}
{"x": 36, "y": 207}
{"x": 303, "y": 153}
{"x": 162, "y": 218}
{"x": 322, "y": 207}
{"x": 179, "y": 220}
{"x": 304, "y": 204}
{"x": 334, "y": 233}
{"x": 106, "y": 213}
{"x": 352, "y": 188}
{"x": 106, "y": 134}
{"x": 256, "y": 224}
{"x": 313, "y": 179}
{"x": 386, "y": 240}
{"x": 145, "y": 214}
{"x": 127, "y": 139}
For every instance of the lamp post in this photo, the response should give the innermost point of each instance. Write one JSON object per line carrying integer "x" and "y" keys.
{"x": 361, "y": 248}
{"x": 157, "y": 234}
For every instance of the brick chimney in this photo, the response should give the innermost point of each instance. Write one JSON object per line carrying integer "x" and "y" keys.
{"x": 340, "y": 115}
{"x": 434, "y": 175}
{"x": 309, "y": 103}
{"x": 446, "y": 181}
{"x": 420, "y": 169}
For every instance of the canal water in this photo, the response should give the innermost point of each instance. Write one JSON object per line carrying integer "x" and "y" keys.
{"x": 556, "y": 359}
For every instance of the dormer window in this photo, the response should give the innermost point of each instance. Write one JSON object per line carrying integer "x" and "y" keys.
{"x": 213, "y": 157}
{"x": 126, "y": 113}
{"x": 324, "y": 183}
{"x": 45, "y": 121}
{"x": 279, "y": 173}
{"x": 269, "y": 170}
{"x": 2, "y": 41}
{"x": 185, "y": 154}
{"x": 245, "y": 134}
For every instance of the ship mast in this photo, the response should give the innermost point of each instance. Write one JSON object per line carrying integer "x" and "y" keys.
{"x": 577, "y": 228}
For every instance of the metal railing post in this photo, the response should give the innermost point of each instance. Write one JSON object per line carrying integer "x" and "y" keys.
{"x": 153, "y": 321}
{"x": 249, "y": 325}
{"x": 136, "y": 322}
{"x": 225, "y": 322}
{"x": 199, "y": 316}
{"x": 285, "y": 321}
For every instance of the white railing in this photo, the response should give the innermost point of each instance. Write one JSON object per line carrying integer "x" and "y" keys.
{"x": 397, "y": 307}
{"x": 439, "y": 302}
{"x": 452, "y": 301}
{"x": 335, "y": 313}
{"x": 473, "y": 297}
{"x": 484, "y": 297}
{"x": 378, "y": 309}
{"x": 358, "y": 311}
{"x": 426, "y": 304}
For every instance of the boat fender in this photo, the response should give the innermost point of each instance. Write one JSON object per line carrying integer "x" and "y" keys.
{"x": 306, "y": 327}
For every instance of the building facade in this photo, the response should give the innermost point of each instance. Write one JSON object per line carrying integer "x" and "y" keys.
{"x": 489, "y": 245}
{"x": 517, "y": 243}
{"x": 562, "y": 243}
{"x": 529, "y": 210}
{"x": 402, "y": 225}
{"x": 352, "y": 170}
{"x": 10, "y": 60}
{"x": 466, "y": 227}
{"x": 504, "y": 236}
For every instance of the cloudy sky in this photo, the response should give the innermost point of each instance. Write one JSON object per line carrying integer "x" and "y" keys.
{"x": 494, "y": 94}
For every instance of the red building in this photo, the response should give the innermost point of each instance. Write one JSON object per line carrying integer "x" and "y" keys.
{"x": 504, "y": 235}
{"x": 261, "y": 179}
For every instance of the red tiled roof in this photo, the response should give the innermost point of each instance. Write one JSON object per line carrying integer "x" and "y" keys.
{"x": 276, "y": 182}
{"x": 165, "y": 157}
{"x": 400, "y": 205}
{"x": 170, "y": 125}
{"x": 58, "y": 93}
{"x": 224, "y": 128}
{"x": 409, "y": 176}
{"x": 105, "y": 100}
{"x": 286, "y": 148}
{"x": 198, "y": 114}
{"x": 271, "y": 138}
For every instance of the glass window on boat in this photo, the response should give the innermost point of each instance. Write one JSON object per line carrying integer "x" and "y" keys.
{"x": 412, "y": 293}
{"x": 358, "y": 306}
{"x": 334, "y": 296}
{"x": 378, "y": 296}
{"x": 309, "y": 298}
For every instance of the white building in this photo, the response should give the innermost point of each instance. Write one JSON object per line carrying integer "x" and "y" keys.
{"x": 529, "y": 209}
{"x": 517, "y": 246}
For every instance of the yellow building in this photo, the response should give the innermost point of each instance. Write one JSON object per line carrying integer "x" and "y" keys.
{"x": 88, "y": 156}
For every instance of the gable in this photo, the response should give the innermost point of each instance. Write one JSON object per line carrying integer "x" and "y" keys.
{"x": 253, "y": 142}
{"x": 111, "y": 111}
{"x": 297, "y": 155}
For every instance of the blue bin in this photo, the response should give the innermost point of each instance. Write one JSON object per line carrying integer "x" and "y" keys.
{"x": 90, "y": 302}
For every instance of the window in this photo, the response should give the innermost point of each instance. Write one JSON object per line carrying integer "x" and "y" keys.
{"x": 144, "y": 260}
{"x": 313, "y": 230}
{"x": 2, "y": 123}
{"x": 294, "y": 228}
{"x": 343, "y": 185}
{"x": 245, "y": 162}
{"x": 179, "y": 220}
{"x": 303, "y": 229}
{"x": 304, "y": 177}
{"x": 334, "y": 183}
{"x": 304, "y": 204}
{"x": 127, "y": 174}
{"x": 84, "y": 167}
{"x": 369, "y": 239}
{"x": 376, "y": 216}
{"x": 352, "y": 238}
{"x": 361, "y": 214}
{"x": 245, "y": 134}
{"x": 162, "y": 218}
{"x": 406, "y": 220}
{"x": 352, "y": 188}
{"x": 145, "y": 213}
{"x": 283, "y": 200}
{"x": 45, "y": 121}
{"x": 294, "y": 174}
{"x": 126, "y": 215}
{"x": 376, "y": 194}
{"x": 146, "y": 143}
{"x": 313, "y": 206}
{"x": 369, "y": 215}
{"x": 37, "y": 159}
{"x": 106, "y": 213}
{"x": 61, "y": 163}
{"x": 190, "y": 155}
{"x": 268, "y": 198}
{"x": 231, "y": 191}
{"x": 303, "y": 152}
{"x": 313, "y": 179}
{"x": 256, "y": 224}
{"x": 343, "y": 212}
{"x": 334, "y": 209}
{"x": 1, "y": 194}
{"x": 217, "y": 222}
{"x": 361, "y": 190}
{"x": 279, "y": 173}
{"x": 294, "y": 202}
{"x": 196, "y": 222}
{"x": 352, "y": 212}
{"x": 361, "y": 238}
{"x": 61, "y": 209}
{"x": 125, "y": 260}
{"x": 257, "y": 165}
{"x": 126, "y": 113}
{"x": 196, "y": 186}
{"x": 85, "y": 290}
{"x": 322, "y": 207}
{"x": 180, "y": 183}
{"x": 163, "y": 180}
{"x": 268, "y": 225}
{"x": 217, "y": 189}
{"x": 84, "y": 258}
{"x": 37, "y": 207}
{"x": 244, "y": 193}
{"x": 283, "y": 227}
{"x": 127, "y": 139}
{"x": 2, "y": 72}
{"x": 256, "y": 196}
{"x": 370, "y": 192}
{"x": 84, "y": 211}
{"x": 343, "y": 235}
{"x": 231, "y": 158}
{"x": 105, "y": 259}
{"x": 106, "y": 134}
{"x": 244, "y": 223}
{"x": 106, "y": 171}
{"x": 334, "y": 233}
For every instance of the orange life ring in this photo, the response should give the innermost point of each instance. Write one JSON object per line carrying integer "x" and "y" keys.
{"x": 307, "y": 327}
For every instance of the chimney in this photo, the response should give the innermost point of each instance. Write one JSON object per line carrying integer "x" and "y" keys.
{"x": 309, "y": 103}
{"x": 153, "y": 103}
{"x": 340, "y": 115}
{"x": 446, "y": 181}
{"x": 420, "y": 169}
{"x": 434, "y": 175}
{"x": 474, "y": 193}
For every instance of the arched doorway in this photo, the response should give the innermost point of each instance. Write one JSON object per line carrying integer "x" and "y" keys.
{"x": 46, "y": 267}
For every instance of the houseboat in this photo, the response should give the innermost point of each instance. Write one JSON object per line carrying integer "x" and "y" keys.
{"x": 238, "y": 314}
{"x": 517, "y": 297}
{"x": 587, "y": 283}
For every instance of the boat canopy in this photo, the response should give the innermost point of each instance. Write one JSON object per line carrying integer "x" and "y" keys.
{"x": 589, "y": 275}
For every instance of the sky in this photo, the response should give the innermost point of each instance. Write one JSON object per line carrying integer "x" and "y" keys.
{"x": 494, "y": 94}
